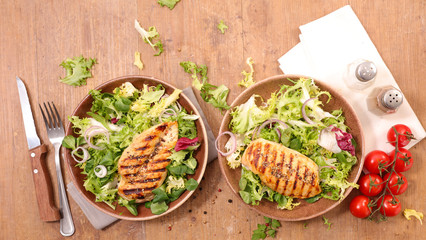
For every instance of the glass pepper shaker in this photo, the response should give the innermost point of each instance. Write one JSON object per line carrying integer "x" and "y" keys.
{"x": 389, "y": 99}
{"x": 360, "y": 74}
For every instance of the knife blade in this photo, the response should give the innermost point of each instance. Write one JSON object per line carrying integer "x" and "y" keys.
{"x": 37, "y": 152}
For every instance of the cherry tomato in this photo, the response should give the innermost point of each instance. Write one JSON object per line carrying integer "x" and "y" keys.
{"x": 391, "y": 207}
{"x": 403, "y": 139}
{"x": 371, "y": 184}
{"x": 403, "y": 160}
{"x": 359, "y": 206}
{"x": 376, "y": 161}
{"x": 397, "y": 183}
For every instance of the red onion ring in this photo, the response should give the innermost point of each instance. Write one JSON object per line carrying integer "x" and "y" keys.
{"x": 307, "y": 119}
{"x": 278, "y": 132}
{"x": 165, "y": 112}
{"x": 86, "y": 155}
{"x": 332, "y": 167}
{"x": 179, "y": 107}
{"x": 233, "y": 147}
{"x": 272, "y": 120}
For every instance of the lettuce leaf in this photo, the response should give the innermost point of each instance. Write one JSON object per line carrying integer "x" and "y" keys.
{"x": 78, "y": 70}
{"x": 215, "y": 95}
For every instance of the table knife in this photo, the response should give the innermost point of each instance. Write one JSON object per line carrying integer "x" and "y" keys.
{"x": 37, "y": 153}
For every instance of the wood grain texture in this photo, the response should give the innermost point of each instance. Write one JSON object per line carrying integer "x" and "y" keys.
{"x": 36, "y": 36}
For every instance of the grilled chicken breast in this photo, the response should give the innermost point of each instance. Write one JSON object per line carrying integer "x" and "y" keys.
{"x": 142, "y": 165}
{"x": 284, "y": 170}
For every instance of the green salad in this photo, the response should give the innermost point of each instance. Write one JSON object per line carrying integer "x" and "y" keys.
{"x": 115, "y": 118}
{"x": 293, "y": 116}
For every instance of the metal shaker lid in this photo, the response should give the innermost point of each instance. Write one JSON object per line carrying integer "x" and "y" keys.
{"x": 392, "y": 98}
{"x": 366, "y": 71}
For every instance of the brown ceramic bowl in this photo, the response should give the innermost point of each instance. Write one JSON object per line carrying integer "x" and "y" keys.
{"x": 78, "y": 178}
{"x": 304, "y": 210}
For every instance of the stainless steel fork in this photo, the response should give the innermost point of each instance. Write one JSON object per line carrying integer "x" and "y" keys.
{"x": 55, "y": 132}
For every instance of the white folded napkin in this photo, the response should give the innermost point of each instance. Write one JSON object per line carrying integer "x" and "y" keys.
{"x": 327, "y": 46}
{"x": 100, "y": 220}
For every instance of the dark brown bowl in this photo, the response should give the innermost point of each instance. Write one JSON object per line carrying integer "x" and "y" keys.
{"x": 78, "y": 178}
{"x": 304, "y": 210}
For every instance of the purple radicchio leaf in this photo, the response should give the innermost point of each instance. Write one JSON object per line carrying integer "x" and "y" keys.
{"x": 344, "y": 140}
{"x": 183, "y": 143}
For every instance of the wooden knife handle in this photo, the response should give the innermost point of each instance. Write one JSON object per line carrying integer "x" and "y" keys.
{"x": 43, "y": 185}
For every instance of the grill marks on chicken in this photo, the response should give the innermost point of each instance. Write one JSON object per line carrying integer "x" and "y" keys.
{"x": 284, "y": 170}
{"x": 142, "y": 165}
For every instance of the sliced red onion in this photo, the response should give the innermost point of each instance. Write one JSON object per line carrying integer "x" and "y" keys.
{"x": 86, "y": 155}
{"x": 166, "y": 112}
{"x": 233, "y": 146}
{"x": 179, "y": 106}
{"x": 92, "y": 131}
{"x": 272, "y": 120}
{"x": 332, "y": 167}
{"x": 278, "y": 132}
{"x": 307, "y": 119}
{"x": 100, "y": 171}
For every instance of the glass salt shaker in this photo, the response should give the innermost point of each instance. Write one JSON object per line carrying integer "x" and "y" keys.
{"x": 389, "y": 99}
{"x": 360, "y": 74}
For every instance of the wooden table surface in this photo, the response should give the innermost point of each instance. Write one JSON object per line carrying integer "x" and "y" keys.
{"x": 36, "y": 36}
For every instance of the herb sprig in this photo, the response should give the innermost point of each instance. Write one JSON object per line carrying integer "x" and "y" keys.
{"x": 268, "y": 229}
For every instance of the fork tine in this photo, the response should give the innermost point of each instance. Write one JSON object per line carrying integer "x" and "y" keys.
{"x": 54, "y": 122}
{"x": 48, "y": 116}
{"x": 57, "y": 116}
{"x": 44, "y": 117}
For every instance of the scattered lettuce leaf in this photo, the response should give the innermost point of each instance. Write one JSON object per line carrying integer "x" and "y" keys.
{"x": 411, "y": 212}
{"x": 150, "y": 36}
{"x": 168, "y": 3}
{"x": 222, "y": 27}
{"x": 78, "y": 70}
{"x": 248, "y": 76}
{"x": 215, "y": 95}
{"x": 138, "y": 62}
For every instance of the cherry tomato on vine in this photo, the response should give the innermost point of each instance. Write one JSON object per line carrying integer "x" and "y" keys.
{"x": 404, "y": 161}
{"x": 371, "y": 184}
{"x": 403, "y": 139}
{"x": 397, "y": 183}
{"x": 376, "y": 162}
{"x": 359, "y": 206}
{"x": 390, "y": 207}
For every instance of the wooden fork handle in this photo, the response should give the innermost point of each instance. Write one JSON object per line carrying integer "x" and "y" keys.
{"x": 43, "y": 185}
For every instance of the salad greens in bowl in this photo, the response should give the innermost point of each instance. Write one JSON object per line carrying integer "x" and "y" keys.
{"x": 305, "y": 120}
{"x": 104, "y": 125}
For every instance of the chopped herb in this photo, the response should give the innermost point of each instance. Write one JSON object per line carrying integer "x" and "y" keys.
{"x": 221, "y": 26}
{"x": 78, "y": 70}
{"x": 268, "y": 229}
{"x": 326, "y": 222}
